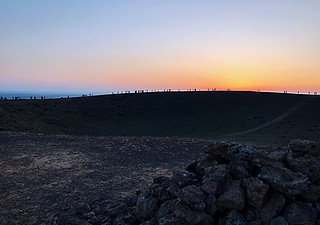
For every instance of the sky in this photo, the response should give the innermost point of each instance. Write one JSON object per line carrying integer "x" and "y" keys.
{"x": 104, "y": 46}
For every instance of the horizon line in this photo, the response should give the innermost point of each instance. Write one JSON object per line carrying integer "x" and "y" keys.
{"x": 141, "y": 91}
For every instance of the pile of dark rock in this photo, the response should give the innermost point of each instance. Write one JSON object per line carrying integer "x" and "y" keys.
{"x": 232, "y": 184}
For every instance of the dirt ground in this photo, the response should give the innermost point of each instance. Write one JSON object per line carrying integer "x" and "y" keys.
{"x": 45, "y": 175}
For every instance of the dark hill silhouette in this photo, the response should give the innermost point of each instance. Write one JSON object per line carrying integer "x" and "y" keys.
{"x": 189, "y": 114}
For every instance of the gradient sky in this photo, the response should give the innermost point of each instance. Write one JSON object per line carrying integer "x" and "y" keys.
{"x": 125, "y": 45}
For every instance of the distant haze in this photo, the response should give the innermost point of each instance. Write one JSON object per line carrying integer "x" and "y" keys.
{"x": 38, "y": 95}
{"x": 105, "y": 46}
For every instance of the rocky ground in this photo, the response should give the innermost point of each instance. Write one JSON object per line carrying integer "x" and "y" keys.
{"x": 232, "y": 185}
{"x": 156, "y": 181}
{"x": 45, "y": 179}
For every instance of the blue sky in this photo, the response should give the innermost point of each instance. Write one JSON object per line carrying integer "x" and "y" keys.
{"x": 114, "y": 45}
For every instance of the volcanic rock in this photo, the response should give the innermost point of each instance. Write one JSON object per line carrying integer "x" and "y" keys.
{"x": 174, "y": 191}
{"x": 272, "y": 207}
{"x": 236, "y": 185}
{"x": 117, "y": 209}
{"x": 178, "y": 209}
{"x": 183, "y": 178}
{"x": 130, "y": 200}
{"x": 233, "y": 197}
{"x": 193, "y": 195}
{"x": 306, "y": 164}
{"x": 233, "y": 218}
{"x": 238, "y": 171}
{"x": 146, "y": 206}
{"x": 284, "y": 179}
{"x": 249, "y": 214}
{"x": 207, "y": 161}
{"x": 162, "y": 194}
{"x": 160, "y": 179}
{"x": 269, "y": 156}
{"x": 165, "y": 210}
{"x": 192, "y": 167}
{"x": 230, "y": 151}
{"x": 211, "y": 187}
{"x": 300, "y": 213}
{"x": 211, "y": 204}
{"x": 216, "y": 173}
{"x": 125, "y": 220}
{"x": 312, "y": 194}
{"x": 304, "y": 147}
{"x": 199, "y": 218}
{"x": 279, "y": 221}
{"x": 257, "y": 191}
{"x": 170, "y": 221}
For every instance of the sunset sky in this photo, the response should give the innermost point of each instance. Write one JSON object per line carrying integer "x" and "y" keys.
{"x": 104, "y": 46}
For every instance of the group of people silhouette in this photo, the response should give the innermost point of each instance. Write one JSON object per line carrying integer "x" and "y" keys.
{"x": 18, "y": 98}
{"x": 137, "y": 91}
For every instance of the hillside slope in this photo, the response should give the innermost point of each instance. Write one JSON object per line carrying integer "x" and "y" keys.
{"x": 189, "y": 114}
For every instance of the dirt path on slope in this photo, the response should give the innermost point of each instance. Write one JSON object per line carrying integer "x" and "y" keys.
{"x": 276, "y": 120}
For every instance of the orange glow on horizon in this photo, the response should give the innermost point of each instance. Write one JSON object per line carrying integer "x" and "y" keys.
{"x": 106, "y": 46}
